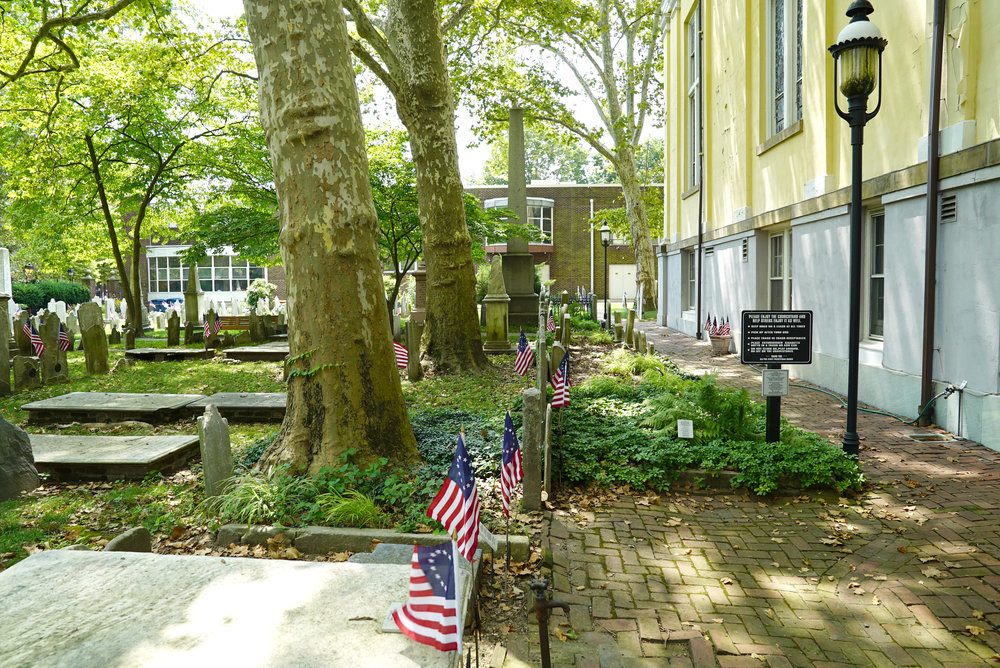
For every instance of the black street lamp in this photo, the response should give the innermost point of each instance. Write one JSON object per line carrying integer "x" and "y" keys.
{"x": 71, "y": 272}
{"x": 29, "y": 272}
{"x": 857, "y": 68}
{"x": 605, "y": 240}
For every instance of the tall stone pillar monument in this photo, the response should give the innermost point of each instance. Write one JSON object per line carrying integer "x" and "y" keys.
{"x": 518, "y": 264}
{"x": 193, "y": 331}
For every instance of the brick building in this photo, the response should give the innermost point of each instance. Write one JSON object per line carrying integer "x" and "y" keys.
{"x": 571, "y": 248}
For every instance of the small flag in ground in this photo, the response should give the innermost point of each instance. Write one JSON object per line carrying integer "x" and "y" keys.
{"x": 430, "y": 615}
{"x": 525, "y": 355}
{"x": 560, "y": 380}
{"x": 708, "y": 323}
{"x": 64, "y": 342}
{"x": 212, "y": 329}
{"x": 456, "y": 505}
{"x": 510, "y": 464}
{"x": 551, "y": 324}
{"x": 36, "y": 341}
{"x": 402, "y": 356}
{"x": 725, "y": 329}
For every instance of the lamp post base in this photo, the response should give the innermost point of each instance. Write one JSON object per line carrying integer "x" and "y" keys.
{"x": 851, "y": 444}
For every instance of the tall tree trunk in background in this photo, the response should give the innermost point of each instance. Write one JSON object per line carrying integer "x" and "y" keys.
{"x": 343, "y": 387}
{"x": 425, "y": 102}
{"x": 638, "y": 220}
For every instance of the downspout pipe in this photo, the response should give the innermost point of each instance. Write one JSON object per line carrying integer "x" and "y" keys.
{"x": 591, "y": 245}
{"x": 701, "y": 161}
{"x": 930, "y": 251}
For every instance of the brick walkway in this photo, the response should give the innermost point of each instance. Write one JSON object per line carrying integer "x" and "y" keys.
{"x": 906, "y": 574}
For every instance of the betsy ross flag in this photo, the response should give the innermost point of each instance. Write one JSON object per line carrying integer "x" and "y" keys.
{"x": 525, "y": 355}
{"x": 402, "y": 356}
{"x": 550, "y": 325}
{"x": 64, "y": 342}
{"x": 560, "y": 381}
{"x": 430, "y": 614}
{"x": 210, "y": 330}
{"x": 456, "y": 505}
{"x": 510, "y": 464}
{"x": 36, "y": 341}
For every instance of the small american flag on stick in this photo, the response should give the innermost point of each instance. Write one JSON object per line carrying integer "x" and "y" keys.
{"x": 525, "y": 355}
{"x": 550, "y": 325}
{"x": 212, "y": 329}
{"x": 510, "y": 464}
{"x": 402, "y": 355}
{"x": 64, "y": 342}
{"x": 36, "y": 341}
{"x": 560, "y": 381}
{"x": 430, "y": 615}
{"x": 456, "y": 505}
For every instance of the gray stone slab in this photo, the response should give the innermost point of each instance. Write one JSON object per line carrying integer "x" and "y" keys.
{"x": 66, "y": 608}
{"x": 167, "y": 354}
{"x": 244, "y": 406}
{"x": 110, "y": 407}
{"x": 384, "y": 553}
{"x": 272, "y": 351}
{"x": 110, "y": 457}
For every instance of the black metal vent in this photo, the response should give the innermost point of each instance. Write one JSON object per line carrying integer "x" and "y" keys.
{"x": 710, "y": 250}
{"x": 746, "y": 249}
{"x": 949, "y": 209}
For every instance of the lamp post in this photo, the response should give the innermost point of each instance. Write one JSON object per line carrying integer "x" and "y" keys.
{"x": 71, "y": 272}
{"x": 605, "y": 240}
{"x": 857, "y": 68}
{"x": 29, "y": 272}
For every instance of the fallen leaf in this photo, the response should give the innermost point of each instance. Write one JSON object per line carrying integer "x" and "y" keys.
{"x": 875, "y": 601}
{"x": 559, "y": 633}
{"x": 974, "y": 630}
{"x": 932, "y": 572}
{"x": 924, "y": 560}
{"x": 778, "y": 540}
{"x": 830, "y": 541}
{"x": 903, "y": 549}
{"x": 726, "y": 581}
{"x": 718, "y": 620}
{"x": 769, "y": 613}
{"x": 978, "y": 614}
{"x": 177, "y": 532}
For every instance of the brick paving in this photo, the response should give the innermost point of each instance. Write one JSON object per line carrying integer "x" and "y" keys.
{"x": 905, "y": 574}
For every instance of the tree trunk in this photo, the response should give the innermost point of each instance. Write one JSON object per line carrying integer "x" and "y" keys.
{"x": 452, "y": 338}
{"x": 343, "y": 387}
{"x": 638, "y": 220}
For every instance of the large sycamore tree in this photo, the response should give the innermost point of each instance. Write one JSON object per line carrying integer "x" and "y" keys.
{"x": 606, "y": 54}
{"x": 344, "y": 389}
{"x": 402, "y": 44}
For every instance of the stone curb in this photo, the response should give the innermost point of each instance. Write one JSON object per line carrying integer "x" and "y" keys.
{"x": 321, "y": 540}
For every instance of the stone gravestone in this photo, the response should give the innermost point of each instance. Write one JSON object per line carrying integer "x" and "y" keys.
{"x": 216, "y": 453}
{"x": 17, "y": 465}
{"x": 212, "y": 340}
{"x": 129, "y": 336}
{"x": 193, "y": 332}
{"x": 619, "y": 332}
{"x": 256, "y": 326}
{"x": 270, "y": 327}
{"x": 53, "y": 360}
{"x": 547, "y": 437}
{"x": 629, "y": 327}
{"x": 23, "y": 342}
{"x": 565, "y": 330}
{"x": 558, "y": 352}
{"x": 115, "y": 337}
{"x": 173, "y": 330}
{"x": 4, "y": 347}
{"x": 26, "y": 376}
{"x": 642, "y": 342}
{"x": 496, "y": 303}
{"x": 531, "y": 442}
{"x": 414, "y": 330}
{"x": 95, "y": 350}
{"x": 542, "y": 369}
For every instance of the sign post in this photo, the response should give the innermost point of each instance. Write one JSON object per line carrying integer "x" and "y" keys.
{"x": 774, "y": 338}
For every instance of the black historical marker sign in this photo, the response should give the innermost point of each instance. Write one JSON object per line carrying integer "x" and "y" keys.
{"x": 776, "y": 337}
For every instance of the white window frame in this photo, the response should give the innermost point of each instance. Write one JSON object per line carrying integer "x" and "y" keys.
{"x": 693, "y": 33}
{"x": 543, "y": 203}
{"x": 688, "y": 286}
{"x": 206, "y": 271}
{"x": 782, "y": 274}
{"x": 873, "y": 275}
{"x": 791, "y": 74}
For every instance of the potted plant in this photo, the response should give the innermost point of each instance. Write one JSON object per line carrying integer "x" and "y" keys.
{"x": 720, "y": 334}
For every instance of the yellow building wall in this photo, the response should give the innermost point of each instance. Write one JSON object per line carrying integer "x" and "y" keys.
{"x": 744, "y": 168}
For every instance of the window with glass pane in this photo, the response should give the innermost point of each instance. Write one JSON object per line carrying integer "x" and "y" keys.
{"x": 777, "y": 272}
{"x": 876, "y": 275}
{"x": 687, "y": 280}
{"x": 785, "y": 56}
{"x": 694, "y": 86}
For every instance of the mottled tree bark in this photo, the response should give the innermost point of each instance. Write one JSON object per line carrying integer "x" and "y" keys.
{"x": 425, "y": 102}
{"x": 638, "y": 219}
{"x": 343, "y": 386}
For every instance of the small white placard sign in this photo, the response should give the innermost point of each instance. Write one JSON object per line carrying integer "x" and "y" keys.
{"x": 685, "y": 429}
{"x": 774, "y": 382}
{"x": 487, "y": 537}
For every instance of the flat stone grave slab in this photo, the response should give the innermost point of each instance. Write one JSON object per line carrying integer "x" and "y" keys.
{"x": 163, "y": 354}
{"x": 65, "y": 608}
{"x": 244, "y": 406}
{"x": 110, "y": 407}
{"x": 272, "y": 351}
{"x": 110, "y": 457}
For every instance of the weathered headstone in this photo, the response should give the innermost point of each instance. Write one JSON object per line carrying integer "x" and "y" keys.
{"x": 542, "y": 373}
{"x": 650, "y": 349}
{"x": 566, "y": 331}
{"x": 270, "y": 326}
{"x": 547, "y": 437}
{"x": 242, "y": 339}
{"x": 23, "y": 342}
{"x": 5, "y": 283}
{"x": 26, "y": 374}
{"x": 53, "y": 360}
{"x": 642, "y": 343}
{"x": 212, "y": 340}
{"x": 129, "y": 337}
{"x": 564, "y": 298}
{"x": 89, "y": 315}
{"x": 414, "y": 331}
{"x": 17, "y": 465}
{"x": 618, "y": 317}
{"x": 173, "y": 330}
{"x": 95, "y": 350}
{"x": 558, "y": 352}
{"x": 134, "y": 540}
{"x": 629, "y": 327}
{"x": 496, "y": 303}
{"x": 256, "y": 326}
{"x": 193, "y": 296}
{"x": 115, "y": 337}
{"x": 533, "y": 424}
{"x": 4, "y": 346}
{"x": 619, "y": 332}
{"x": 216, "y": 452}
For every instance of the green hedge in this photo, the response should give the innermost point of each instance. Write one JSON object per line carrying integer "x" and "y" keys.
{"x": 37, "y": 295}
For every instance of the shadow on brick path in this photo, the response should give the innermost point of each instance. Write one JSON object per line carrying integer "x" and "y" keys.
{"x": 905, "y": 574}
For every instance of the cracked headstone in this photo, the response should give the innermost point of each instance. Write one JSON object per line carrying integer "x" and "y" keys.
{"x": 216, "y": 452}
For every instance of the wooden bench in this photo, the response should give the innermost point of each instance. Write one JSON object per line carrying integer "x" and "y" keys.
{"x": 241, "y": 322}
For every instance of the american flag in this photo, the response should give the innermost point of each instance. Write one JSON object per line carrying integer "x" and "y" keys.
{"x": 456, "y": 505}
{"x": 402, "y": 356}
{"x": 430, "y": 615}
{"x": 510, "y": 464}
{"x": 525, "y": 355}
{"x": 560, "y": 381}
{"x": 64, "y": 343}
{"x": 551, "y": 324}
{"x": 32, "y": 334}
{"x": 725, "y": 329}
{"x": 212, "y": 329}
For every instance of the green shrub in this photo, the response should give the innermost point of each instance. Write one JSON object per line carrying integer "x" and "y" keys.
{"x": 601, "y": 337}
{"x": 255, "y": 450}
{"x": 351, "y": 509}
{"x": 622, "y": 362}
{"x": 37, "y": 295}
{"x": 256, "y": 498}
{"x": 482, "y": 282}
